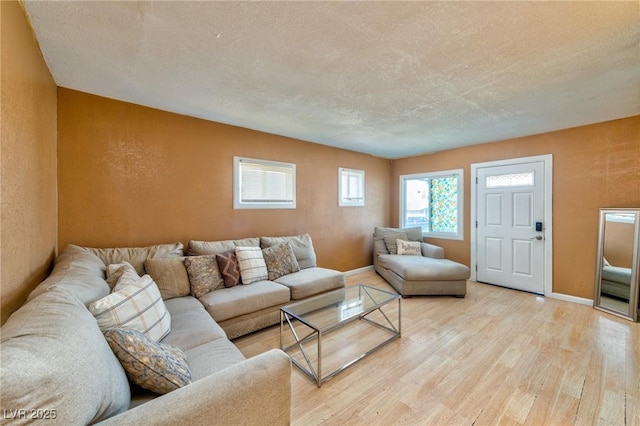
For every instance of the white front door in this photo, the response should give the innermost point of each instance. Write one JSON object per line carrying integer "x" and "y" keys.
{"x": 510, "y": 227}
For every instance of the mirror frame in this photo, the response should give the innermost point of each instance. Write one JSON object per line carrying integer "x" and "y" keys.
{"x": 632, "y": 313}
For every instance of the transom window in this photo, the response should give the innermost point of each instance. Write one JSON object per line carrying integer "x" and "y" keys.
{"x": 433, "y": 201}
{"x": 509, "y": 180}
{"x": 262, "y": 184}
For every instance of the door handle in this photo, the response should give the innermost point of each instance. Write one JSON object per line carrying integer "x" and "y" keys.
{"x": 537, "y": 237}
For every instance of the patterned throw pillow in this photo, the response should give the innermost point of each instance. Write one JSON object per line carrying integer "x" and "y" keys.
{"x": 204, "y": 274}
{"x": 138, "y": 307}
{"x": 391, "y": 238}
{"x": 252, "y": 265}
{"x": 158, "y": 367}
{"x": 280, "y": 260}
{"x": 412, "y": 248}
{"x": 229, "y": 269}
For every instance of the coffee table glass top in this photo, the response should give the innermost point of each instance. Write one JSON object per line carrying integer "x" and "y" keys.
{"x": 330, "y": 310}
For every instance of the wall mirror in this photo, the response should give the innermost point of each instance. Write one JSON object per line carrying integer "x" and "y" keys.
{"x": 618, "y": 263}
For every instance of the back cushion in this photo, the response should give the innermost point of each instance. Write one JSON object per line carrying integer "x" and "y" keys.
{"x": 78, "y": 271}
{"x": 53, "y": 356}
{"x": 137, "y": 255}
{"x": 379, "y": 245}
{"x": 199, "y": 248}
{"x": 302, "y": 248}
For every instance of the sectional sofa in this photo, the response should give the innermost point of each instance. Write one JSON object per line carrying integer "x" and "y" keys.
{"x": 57, "y": 365}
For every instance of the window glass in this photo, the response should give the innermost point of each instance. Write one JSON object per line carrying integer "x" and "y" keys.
{"x": 350, "y": 187}
{"x": 433, "y": 201}
{"x": 262, "y": 184}
{"x": 512, "y": 179}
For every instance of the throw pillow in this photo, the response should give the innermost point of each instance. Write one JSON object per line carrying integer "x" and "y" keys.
{"x": 390, "y": 240}
{"x": 158, "y": 367}
{"x": 170, "y": 275}
{"x": 204, "y": 275}
{"x": 280, "y": 260}
{"x": 251, "y": 264}
{"x": 121, "y": 273}
{"x": 412, "y": 248}
{"x": 138, "y": 307}
{"x": 229, "y": 269}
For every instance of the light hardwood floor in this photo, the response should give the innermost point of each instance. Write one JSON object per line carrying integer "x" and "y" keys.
{"x": 498, "y": 356}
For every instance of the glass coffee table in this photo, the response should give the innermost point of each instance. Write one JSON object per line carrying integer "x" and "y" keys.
{"x": 319, "y": 315}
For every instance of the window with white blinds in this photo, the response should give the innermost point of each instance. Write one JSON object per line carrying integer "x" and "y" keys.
{"x": 350, "y": 187}
{"x": 262, "y": 184}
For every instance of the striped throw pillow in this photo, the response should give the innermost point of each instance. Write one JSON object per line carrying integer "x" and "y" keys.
{"x": 252, "y": 265}
{"x": 138, "y": 306}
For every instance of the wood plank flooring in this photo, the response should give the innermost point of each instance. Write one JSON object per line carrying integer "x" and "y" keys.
{"x": 498, "y": 356}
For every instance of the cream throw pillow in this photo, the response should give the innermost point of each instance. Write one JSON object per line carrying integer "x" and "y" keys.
{"x": 137, "y": 306}
{"x": 411, "y": 248}
{"x": 252, "y": 265}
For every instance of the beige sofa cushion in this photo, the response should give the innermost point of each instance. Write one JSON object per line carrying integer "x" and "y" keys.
{"x": 419, "y": 268}
{"x": 191, "y": 324}
{"x": 302, "y": 247}
{"x": 244, "y": 299}
{"x": 136, "y": 255}
{"x": 199, "y": 248}
{"x": 212, "y": 357}
{"x": 170, "y": 275}
{"x": 79, "y": 271}
{"x": 311, "y": 281}
{"x": 251, "y": 264}
{"x": 53, "y": 356}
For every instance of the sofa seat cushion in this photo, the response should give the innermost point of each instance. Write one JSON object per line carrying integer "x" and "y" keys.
{"x": 312, "y": 281}
{"x": 244, "y": 299}
{"x": 212, "y": 357}
{"x": 418, "y": 268}
{"x": 191, "y": 324}
{"x": 54, "y": 356}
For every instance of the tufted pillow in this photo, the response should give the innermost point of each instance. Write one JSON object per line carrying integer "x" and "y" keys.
{"x": 412, "y": 248}
{"x": 156, "y": 366}
{"x": 251, "y": 264}
{"x": 170, "y": 274}
{"x": 138, "y": 307}
{"x": 280, "y": 260}
{"x": 229, "y": 268}
{"x": 390, "y": 240}
{"x": 204, "y": 275}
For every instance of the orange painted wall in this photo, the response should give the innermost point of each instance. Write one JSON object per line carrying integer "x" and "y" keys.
{"x": 28, "y": 156}
{"x": 131, "y": 175}
{"x": 593, "y": 166}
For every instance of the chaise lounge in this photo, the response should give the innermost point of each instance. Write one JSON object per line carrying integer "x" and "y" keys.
{"x": 426, "y": 272}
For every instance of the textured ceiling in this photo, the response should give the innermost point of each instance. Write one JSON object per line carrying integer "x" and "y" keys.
{"x": 392, "y": 79}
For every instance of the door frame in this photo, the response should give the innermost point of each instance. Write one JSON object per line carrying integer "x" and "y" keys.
{"x": 547, "y": 159}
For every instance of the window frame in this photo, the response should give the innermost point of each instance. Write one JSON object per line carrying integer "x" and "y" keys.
{"x": 238, "y": 203}
{"x": 459, "y": 174}
{"x": 347, "y": 202}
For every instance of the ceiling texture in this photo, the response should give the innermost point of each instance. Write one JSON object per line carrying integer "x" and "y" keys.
{"x": 391, "y": 79}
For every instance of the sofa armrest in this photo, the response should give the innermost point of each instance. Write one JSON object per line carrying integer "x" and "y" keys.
{"x": 429, "y": 250}
{"x": 256, "y": 391}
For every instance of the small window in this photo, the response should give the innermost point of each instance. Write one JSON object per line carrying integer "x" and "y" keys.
{"x": 262, "y": 184}
{"x": 350, "y": 187}
{"x": 433, "y": 201}
{"x": 509, "y": 180}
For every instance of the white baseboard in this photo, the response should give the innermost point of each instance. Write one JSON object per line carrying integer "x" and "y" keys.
{"x": 359, "y": 270}
{"x": 573, "y": 299}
